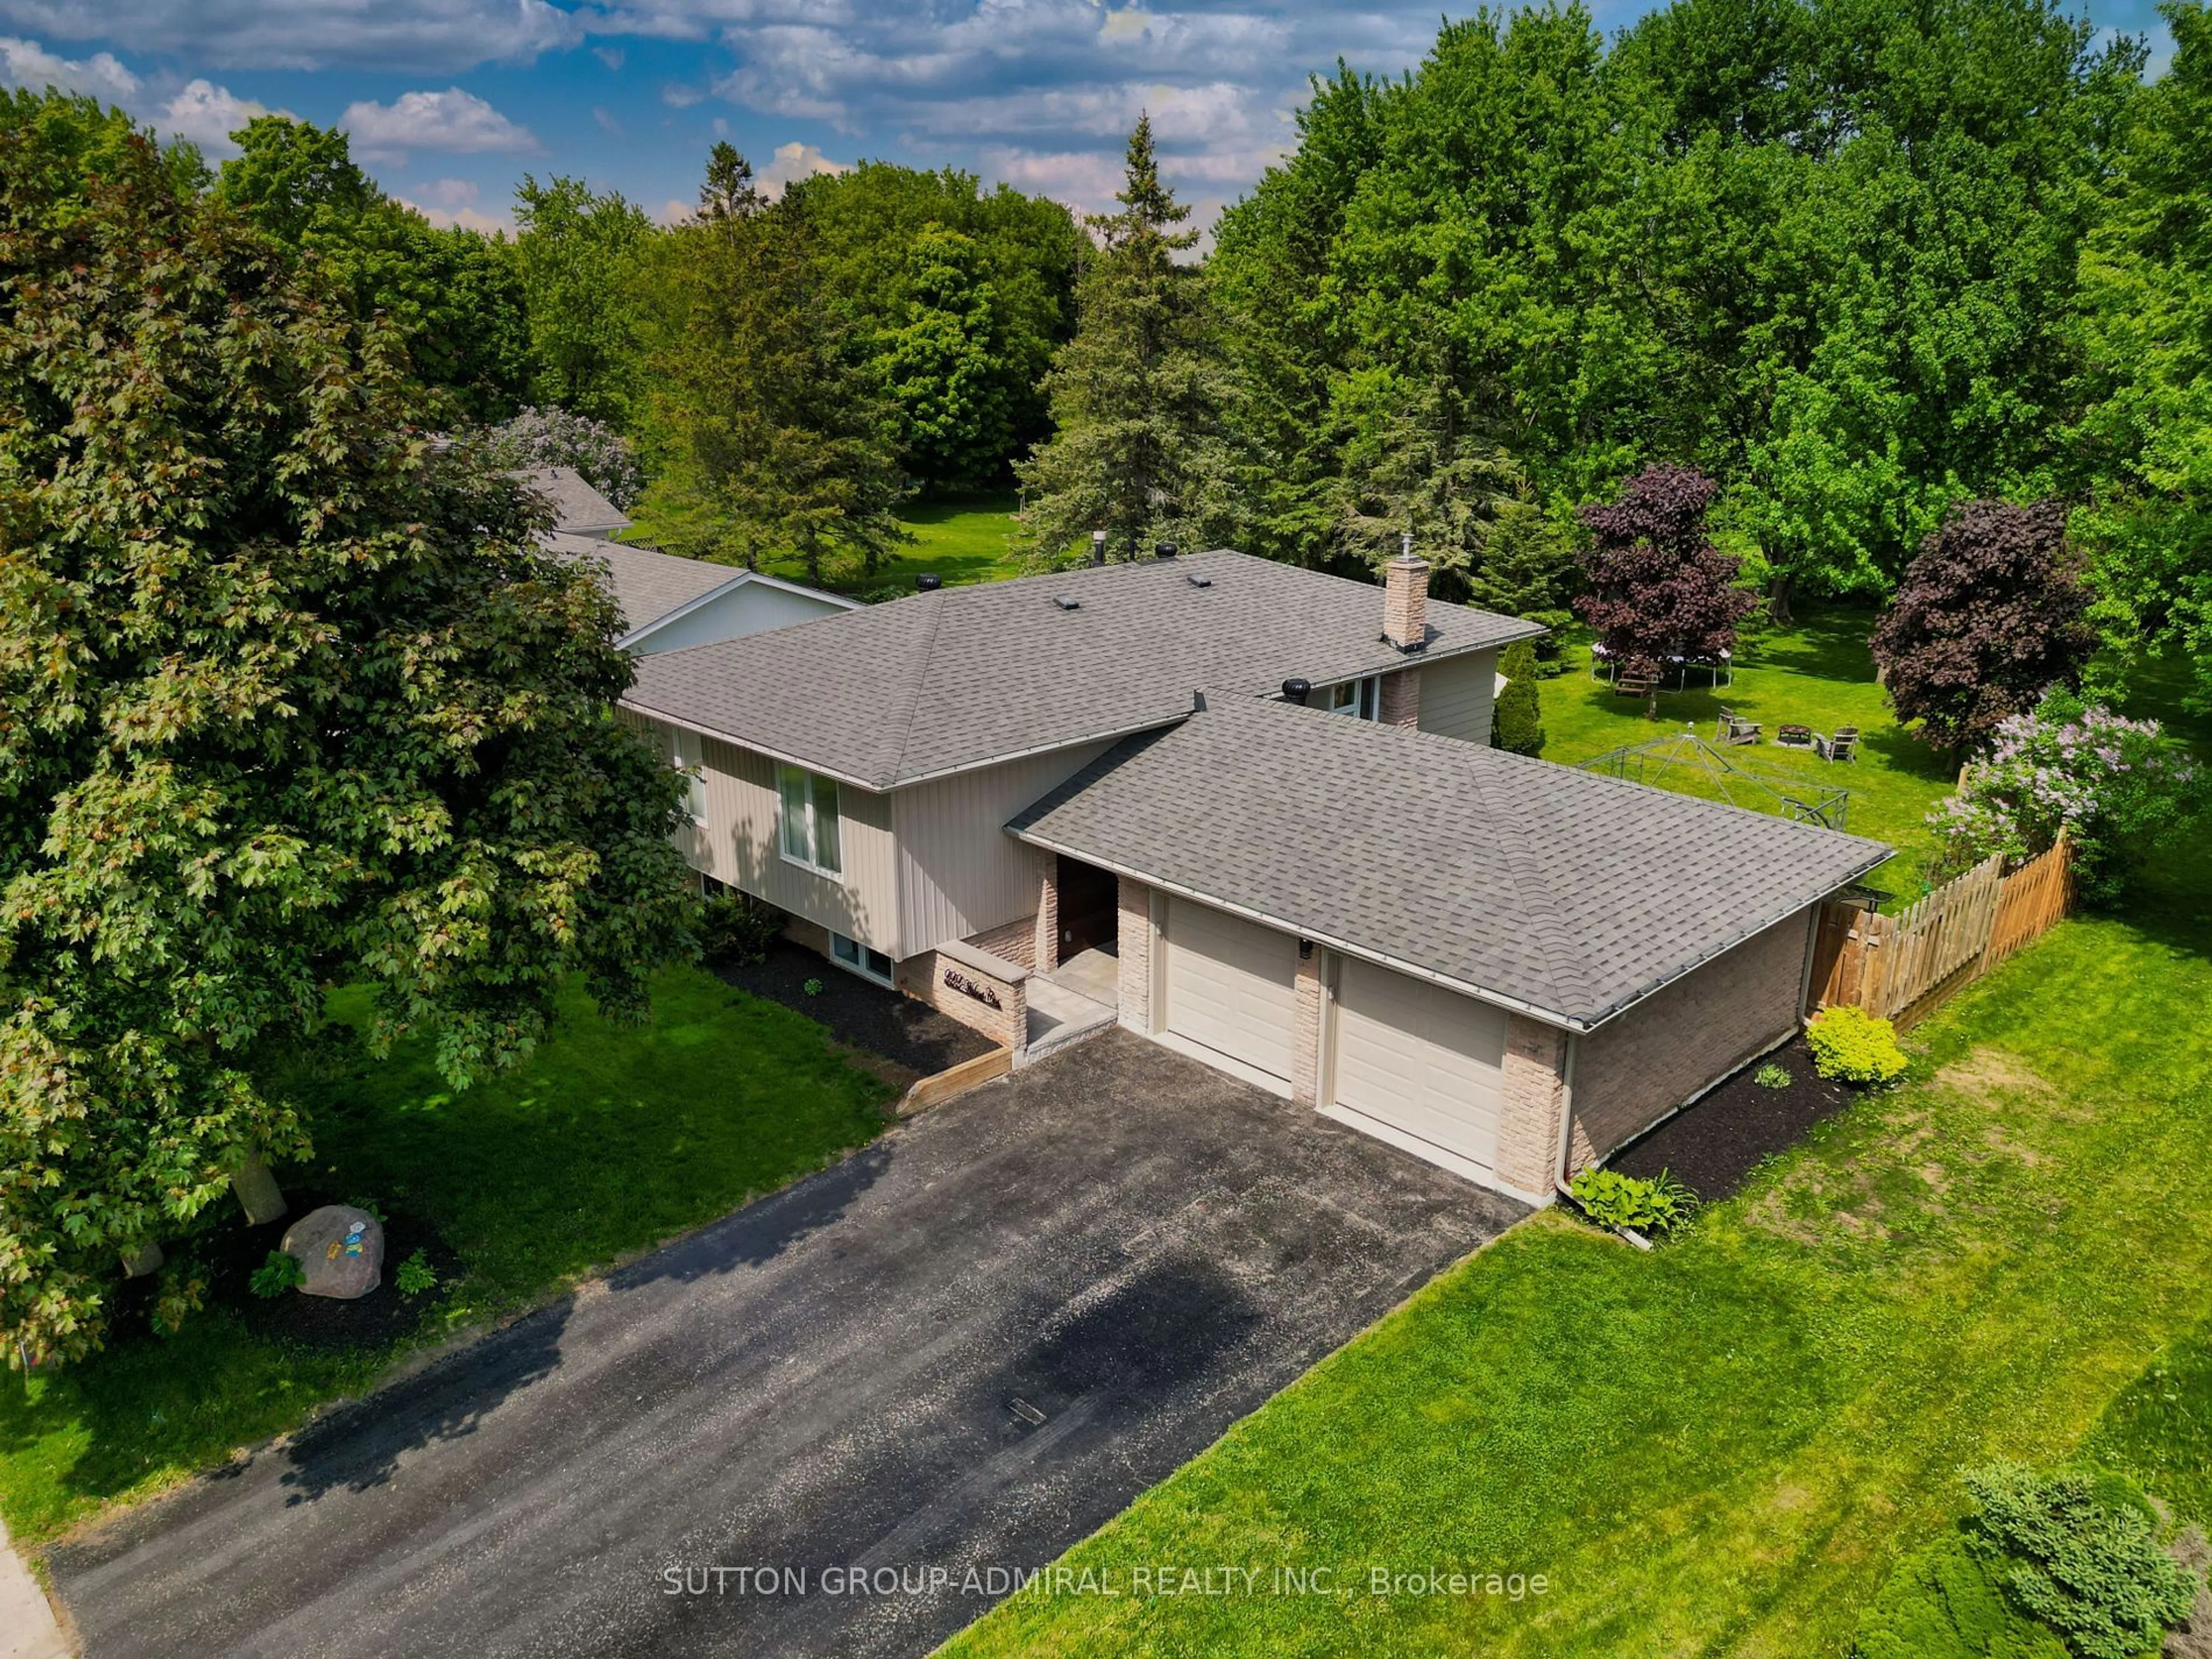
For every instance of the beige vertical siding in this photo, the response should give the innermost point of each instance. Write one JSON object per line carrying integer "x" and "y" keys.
{"x": 737, "y": 845}
{"x": 1456, "y": 696}
{"x": 959, "y": 871}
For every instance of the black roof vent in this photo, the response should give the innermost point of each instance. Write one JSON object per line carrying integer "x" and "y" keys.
{"x": 1067, "y": 604}
{"x": 1197, "y": 580}
{"x": 928, "y": 583}
{"x": 1163, "y": 550}
{"x": 1296, "y": 690}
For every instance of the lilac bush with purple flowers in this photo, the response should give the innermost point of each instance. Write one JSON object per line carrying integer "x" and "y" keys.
{"x": 552, "y": 436}
{"x": 2115, "y": 785}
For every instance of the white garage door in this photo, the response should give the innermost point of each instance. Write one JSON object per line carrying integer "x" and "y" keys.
{"x": 1231, "y": 986}
{"x": 1420, "y": 1060}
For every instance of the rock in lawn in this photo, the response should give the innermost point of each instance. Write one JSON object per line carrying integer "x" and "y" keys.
{"x": 340, "y": 1248}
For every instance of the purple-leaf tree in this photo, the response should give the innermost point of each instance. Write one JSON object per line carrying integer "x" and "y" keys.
{"x": 1989, "y": 617}
{"x": 1659, "y": 589}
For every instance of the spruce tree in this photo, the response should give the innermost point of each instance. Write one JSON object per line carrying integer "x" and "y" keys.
{"x": 1137, "y": 395}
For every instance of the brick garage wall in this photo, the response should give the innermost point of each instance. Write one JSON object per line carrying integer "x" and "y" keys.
{"x": 1700, "y": 1029}
{"x": 1534, "y": 1094}
{"x": 1399, "y": 702}
{"x": 922, "y": 978}
{"x": 1134, "y": 928}
{"x": 1305, "y": 1035}
{"x": 1044, "y": 936}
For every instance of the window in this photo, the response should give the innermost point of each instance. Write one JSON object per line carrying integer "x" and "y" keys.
{"x": 1357, "y": 698}
{"x": 686, "y": 756}
{"x": 863, "y": 959}
{"x": 810, "y": 830}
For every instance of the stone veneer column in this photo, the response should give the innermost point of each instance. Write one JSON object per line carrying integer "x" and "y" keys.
{"x": 1535, "y": 1095}
{"x": 1048, "y": 917}
{"x": 1305, "y": 1033}
{"x": 1400, "y": 702}
{"x": 1133, "y": 934}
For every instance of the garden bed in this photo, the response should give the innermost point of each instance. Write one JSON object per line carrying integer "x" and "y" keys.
{"x": 914, "y": 1037}
{"x": 1713, "y": 1146}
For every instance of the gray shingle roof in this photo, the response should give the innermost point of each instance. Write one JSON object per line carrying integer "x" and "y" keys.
{"x": 938, "y": 682}
{"x": 1562, "y": 893}
{"x": 578, "y": 509}
{"x": 647, "y": 585}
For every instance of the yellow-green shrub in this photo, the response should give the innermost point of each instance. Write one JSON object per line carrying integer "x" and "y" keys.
{"x": 1851, "y": 1046}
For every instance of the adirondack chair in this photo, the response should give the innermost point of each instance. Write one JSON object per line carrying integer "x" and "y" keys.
{"x": 1794, "y": 736}
{"x": 1732, "y": 728}
{"x": 1843, "y": 746}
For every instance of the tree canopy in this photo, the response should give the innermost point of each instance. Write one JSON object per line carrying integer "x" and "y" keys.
{"x": 287, "y": 694}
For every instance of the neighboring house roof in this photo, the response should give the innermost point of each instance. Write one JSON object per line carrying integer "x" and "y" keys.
{"x": 578, "y": 509}
{"x": 653, "y": 588}
{"x": 942, "y": 682}
{"x": 1565, "y": 894}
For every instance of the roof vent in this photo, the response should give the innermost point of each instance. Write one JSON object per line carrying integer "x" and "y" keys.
{"x": 1163, "y": 550}
{"x": 1296, "y": 690}
{"x": 1097, "y": 547}
{"x": 1197, "y": 580}
{"x": 1067, "y": 604}
{"x": 928, "y": 583}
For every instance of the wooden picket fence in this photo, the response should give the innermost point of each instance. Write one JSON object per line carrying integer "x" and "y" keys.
{"x": 1904, "y": 966}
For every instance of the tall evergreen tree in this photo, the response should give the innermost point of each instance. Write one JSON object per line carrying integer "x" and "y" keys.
{"x": 1138, "y": 395}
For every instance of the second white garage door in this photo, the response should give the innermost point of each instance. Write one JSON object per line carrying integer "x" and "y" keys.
{"x": 1423, "y": 1067}
{"x": 1231, "y": 987}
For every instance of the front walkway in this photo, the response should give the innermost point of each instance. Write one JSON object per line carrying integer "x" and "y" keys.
{"x": 967, "y": 1345}
{"x": 1080, "y": 996}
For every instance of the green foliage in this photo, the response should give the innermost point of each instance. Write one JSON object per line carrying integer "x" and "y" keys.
{"x": 813, "y": 987}
{"x": 739, "y": 928}
{"x": 1138, "y": 395}
{"x": 279, "y": 1272}
{"x": 775, "y": 434}
{"x": 1661, "y": 1204}
{"x": 1549, "y": 646}
{"x": 2158, "y": 1430}
{"x": 1773, "y": 1075}
{"x": 415, "y": 1275}
{"x": 1849, "y": 1045}
{"x": 2080, "y": 1551}
{"x": 1948, "y": 1601}
{"x": 285, "y": 694}
{"x": 1516, "y": 719}
{"x": 579, "y": 253}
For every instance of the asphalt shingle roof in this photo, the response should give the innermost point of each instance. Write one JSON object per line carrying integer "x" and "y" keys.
{"x": 578, "y": 509}
{"x": 940, "y": 681}
{"x": 645, "y": 584}
{"x": 1563, "y": 892}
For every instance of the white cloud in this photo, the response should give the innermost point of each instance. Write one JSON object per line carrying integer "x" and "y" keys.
{"x": 613, "y": 57}
{"x": 444, "y": 35}
{"x": 446, "y": 203}
{"x": 605, "y": 117}
{"x": 27, "y": 64}
{"x": 453, "y": 123}
{"x": 791, "y": 163}
{"x": 208, "y": 114}
{"x": 677, "y": 96}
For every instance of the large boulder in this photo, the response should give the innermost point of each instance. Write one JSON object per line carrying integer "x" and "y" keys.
{"x": 341, "y": 1249}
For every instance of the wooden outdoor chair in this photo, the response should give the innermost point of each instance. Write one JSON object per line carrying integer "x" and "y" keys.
{"x": 1843, "y": 746}
{"x": 1794, "y": 736}
{"x": 1732, "y": 728}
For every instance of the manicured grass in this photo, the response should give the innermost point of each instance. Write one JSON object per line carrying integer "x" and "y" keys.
{"x": 608, "y": 1141}
{"x": 1817, "y": 672}
{"x": 966, "y": 539}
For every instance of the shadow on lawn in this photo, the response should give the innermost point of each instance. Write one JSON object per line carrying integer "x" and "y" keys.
{"x": 762, "y": 1230}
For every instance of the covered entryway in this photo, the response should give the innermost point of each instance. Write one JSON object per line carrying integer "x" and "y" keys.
{"x": 1090, "y": 906}
{"x": 1418, "y": 1065}
{"x": 1229, "y": 989}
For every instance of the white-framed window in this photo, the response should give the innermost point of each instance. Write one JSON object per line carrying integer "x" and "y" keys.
{"x": 687, "y": 755}
{"x": 1359, "y": 698}
{"x": 863, "y": 959}
{"x": 809, "y": 832}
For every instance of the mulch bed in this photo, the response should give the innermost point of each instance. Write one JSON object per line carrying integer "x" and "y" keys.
{"x": 1714, "y": 1146}
{"x": 914, "y": 1037}
{"x": 229, "y": 1254}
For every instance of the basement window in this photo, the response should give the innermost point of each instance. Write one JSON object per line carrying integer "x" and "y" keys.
{"x": 1360, "y": 699}
{"x": 863, "y": 959}
{"x": 811, "y": 833}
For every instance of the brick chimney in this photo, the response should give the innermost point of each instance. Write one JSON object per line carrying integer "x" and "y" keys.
{"x": 1406, "y": 603}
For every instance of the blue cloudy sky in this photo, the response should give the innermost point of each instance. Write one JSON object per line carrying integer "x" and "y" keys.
{"x": 450, "y": 101}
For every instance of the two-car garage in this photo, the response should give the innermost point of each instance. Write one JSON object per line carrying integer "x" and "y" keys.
{"x": 1412, "y": 1062}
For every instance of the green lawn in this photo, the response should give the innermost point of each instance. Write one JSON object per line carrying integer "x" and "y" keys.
{"x": 967, "y": 539}
{"x": 1817, "y": 672}
{"x": 609, "y": 1141}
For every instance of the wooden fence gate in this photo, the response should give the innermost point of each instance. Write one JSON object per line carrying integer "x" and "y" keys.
{"x": 1903, "y": 967}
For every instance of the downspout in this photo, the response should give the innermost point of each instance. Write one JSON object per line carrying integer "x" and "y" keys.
{"x": 1566, "y": 1109}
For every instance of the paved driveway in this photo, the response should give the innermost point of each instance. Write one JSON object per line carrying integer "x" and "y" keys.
{"x": 968, "y": 1345}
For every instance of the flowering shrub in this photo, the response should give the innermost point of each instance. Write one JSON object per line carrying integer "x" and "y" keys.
{"x": 2111, "y": 783}
{"x": 554, "y": 437}
{"x": 1849, "y": 1045}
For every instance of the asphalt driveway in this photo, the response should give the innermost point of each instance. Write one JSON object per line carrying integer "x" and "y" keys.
{"x": 966, "y": 1347}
